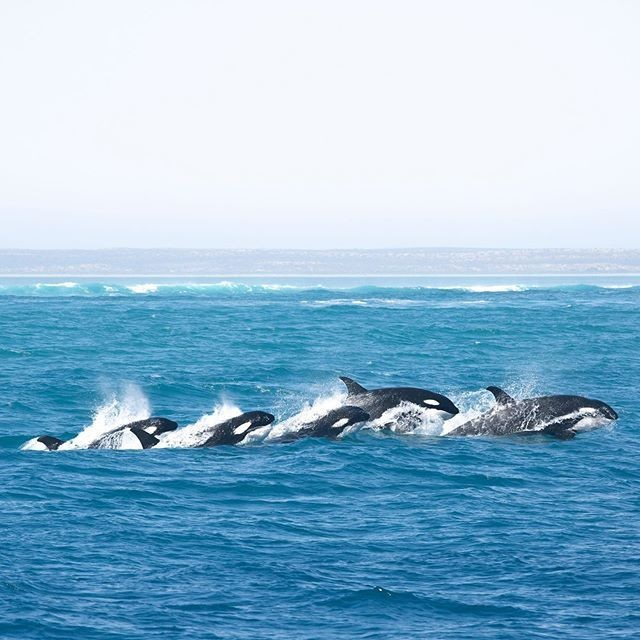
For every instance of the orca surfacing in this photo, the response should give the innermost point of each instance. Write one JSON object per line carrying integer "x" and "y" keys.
{"x": 376, "y": 401}
{"x": 559, "y": 416}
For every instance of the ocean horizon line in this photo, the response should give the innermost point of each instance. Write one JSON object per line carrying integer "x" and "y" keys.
{"x": 321, "y": 249}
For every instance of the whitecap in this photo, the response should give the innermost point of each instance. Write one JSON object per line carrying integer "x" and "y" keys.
{"x": 143, "y": 288}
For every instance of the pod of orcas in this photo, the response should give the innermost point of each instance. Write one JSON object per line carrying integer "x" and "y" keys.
{"x": 560, "y": 416}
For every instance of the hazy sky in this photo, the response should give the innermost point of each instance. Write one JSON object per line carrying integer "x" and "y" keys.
{"x": 353, "y": 123}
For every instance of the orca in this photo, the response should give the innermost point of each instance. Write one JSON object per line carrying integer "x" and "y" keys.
{"x": 236, "y": 429}
{"x": 558, "y": 416}
{"x": 376, "y": 401}
{"x": 331, "y": 425}
{"x": 141, "y": 434}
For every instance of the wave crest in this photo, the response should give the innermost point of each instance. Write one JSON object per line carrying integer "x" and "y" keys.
{"x": 366, "y": 292}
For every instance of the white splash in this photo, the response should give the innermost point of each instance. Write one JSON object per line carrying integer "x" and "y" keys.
{"x": 193, "y": 434}
{"x": 119, "y": 409}
{"x": 310, "y": 412}
{"x": 472, "y": 404}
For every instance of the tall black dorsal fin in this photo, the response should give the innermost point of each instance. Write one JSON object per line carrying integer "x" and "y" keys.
{"x": 146, "y": 439}
{"x": 502, "y": 397}
{"x": 353, "y": 387}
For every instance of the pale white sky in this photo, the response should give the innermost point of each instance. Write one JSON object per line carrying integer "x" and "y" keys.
{"x": 350, "y": 123}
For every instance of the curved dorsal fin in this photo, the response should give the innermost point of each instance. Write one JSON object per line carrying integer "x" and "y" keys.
{"x": 50, "y": 442}
{"x": 353, "y": 387}
{"x": 502, "y": 397}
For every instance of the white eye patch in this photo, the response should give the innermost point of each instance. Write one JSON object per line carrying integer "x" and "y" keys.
{"x": 243, "y": 428}
{"x": 431, "y": 402}
{"x": 340, "y": 423}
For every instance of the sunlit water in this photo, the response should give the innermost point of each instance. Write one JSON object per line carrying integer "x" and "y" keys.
{"x": 409, "y": 535}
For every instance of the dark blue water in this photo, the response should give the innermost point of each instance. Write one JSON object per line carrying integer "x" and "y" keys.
{"x": 402, "y": 536}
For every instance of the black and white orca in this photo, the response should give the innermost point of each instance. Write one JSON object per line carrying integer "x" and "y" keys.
{"x": 376, "y": 401}
{"x": 235, "y": 430}
{"x": 141, "y": 434}
{"x": 331, "y": 425}
{"x": 558, "y": 416}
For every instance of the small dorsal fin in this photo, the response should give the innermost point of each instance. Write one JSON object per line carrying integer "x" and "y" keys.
{"x": 353, "y": 387}
{"x": 50, "y": 442}
{"x": 146, "y": 439}
{"x": 502, "y": 397}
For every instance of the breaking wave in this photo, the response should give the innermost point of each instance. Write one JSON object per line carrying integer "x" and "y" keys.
{"x": 373, "y": 292}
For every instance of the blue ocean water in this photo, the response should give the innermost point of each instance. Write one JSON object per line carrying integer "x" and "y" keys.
{"x": 374, "y": 536}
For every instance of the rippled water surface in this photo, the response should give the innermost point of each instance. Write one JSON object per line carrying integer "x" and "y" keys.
{"x": 374, "y": 536}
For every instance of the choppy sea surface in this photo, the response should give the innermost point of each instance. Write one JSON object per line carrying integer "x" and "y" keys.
{"x": 407, "y": 535}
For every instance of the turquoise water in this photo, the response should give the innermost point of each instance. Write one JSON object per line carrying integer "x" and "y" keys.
{"x": 397, "y": 536}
